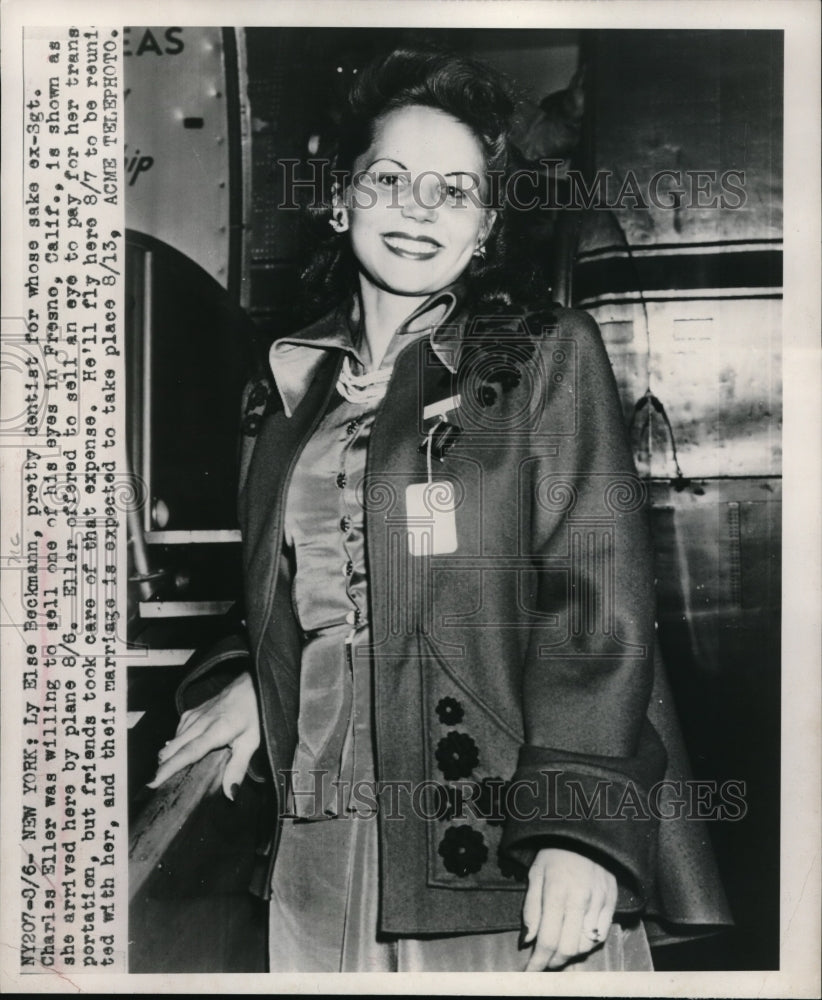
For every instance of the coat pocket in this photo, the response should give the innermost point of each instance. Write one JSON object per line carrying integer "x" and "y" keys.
{"x": 470, "y": 756}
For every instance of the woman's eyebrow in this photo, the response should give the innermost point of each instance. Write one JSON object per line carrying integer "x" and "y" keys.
{"x": 386, "y": 159}
{"x": 402, "y": 166}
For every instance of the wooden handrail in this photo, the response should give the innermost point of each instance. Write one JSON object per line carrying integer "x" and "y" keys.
{"x": 167, "y": 812}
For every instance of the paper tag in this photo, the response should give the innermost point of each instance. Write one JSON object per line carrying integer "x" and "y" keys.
{"x": 429, "y": 511}
{"x": 441, "y": 407}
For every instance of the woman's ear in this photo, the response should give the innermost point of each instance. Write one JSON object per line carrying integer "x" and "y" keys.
{"x": 487, "y": 224}
{"x": 339, "y": 212}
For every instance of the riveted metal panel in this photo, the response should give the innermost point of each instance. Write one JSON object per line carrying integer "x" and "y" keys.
{"x": 715, "y": 364}
{"x": 685, "y": 279}
{"x": 177, "y": 141}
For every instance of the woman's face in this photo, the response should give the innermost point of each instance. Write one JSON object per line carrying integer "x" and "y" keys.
{"x": 414, "y": 208}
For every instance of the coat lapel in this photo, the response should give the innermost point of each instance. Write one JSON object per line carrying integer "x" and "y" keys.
{"x": 395, "y": 462}
{"x": 262, "y": 501}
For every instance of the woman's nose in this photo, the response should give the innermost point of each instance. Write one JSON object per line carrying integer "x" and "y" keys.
{"x": 421, "y": 202}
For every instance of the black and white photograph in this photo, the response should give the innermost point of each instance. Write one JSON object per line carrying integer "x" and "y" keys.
{"x": 396, "y": 574}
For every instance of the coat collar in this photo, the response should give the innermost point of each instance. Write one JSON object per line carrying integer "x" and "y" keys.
{"x": 294, "y": 361}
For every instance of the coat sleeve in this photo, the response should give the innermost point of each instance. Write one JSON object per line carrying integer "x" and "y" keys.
{"x": 212, "y": 667}
{"x": 590, "y": 756}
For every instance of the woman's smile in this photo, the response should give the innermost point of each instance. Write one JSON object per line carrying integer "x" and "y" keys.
{"x": 412, "y": 247}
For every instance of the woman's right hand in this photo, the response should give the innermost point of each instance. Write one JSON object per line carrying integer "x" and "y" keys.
{"x": 229, "y": 719}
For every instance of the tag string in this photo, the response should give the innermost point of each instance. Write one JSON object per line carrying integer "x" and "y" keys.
{"x": 428, "y": 444}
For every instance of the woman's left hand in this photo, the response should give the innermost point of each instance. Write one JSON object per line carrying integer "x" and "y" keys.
{"x": 568, "y": 907}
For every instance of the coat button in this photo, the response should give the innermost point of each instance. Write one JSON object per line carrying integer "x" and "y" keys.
{"x": 463, "y": 850}
{"x": 351, "y": 426}
{"x": 450, "y": 711}
{"x": 354, "y": 617}
{"x": 457, "y": 755}
{"x": 341, "y": 480}
{"x": 348, "y": 568}
{"x": 345, "y": 523}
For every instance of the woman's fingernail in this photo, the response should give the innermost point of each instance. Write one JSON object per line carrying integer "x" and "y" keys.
{"x": 235, "y": 788}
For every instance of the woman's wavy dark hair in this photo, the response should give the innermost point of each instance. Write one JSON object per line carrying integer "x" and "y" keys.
{"x": 472, "y": 93}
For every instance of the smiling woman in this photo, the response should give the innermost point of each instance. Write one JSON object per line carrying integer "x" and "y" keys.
{"x": 418, "y": 234}
{"x": 423, "y": 146}
{"x": 511, "y": 596}
{"x": 421, "y": 231}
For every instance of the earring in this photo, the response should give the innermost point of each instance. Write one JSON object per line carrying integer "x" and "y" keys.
{"x": 480, "y": 251}
{"x": 338, "y": 222}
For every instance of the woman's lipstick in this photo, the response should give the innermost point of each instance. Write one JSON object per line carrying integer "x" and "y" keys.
{"x": 411, "y": 247}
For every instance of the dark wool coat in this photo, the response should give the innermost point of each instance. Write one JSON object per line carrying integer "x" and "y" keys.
{"x": 524, "y": 659}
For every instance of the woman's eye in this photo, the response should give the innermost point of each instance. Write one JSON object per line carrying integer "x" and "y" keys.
{"x": 391, "y": 180}
{"x": 453, "y": 194}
